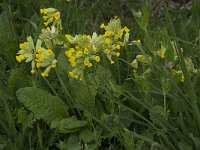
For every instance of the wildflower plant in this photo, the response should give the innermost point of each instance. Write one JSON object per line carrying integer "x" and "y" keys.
{"x": 41, "y": 54}
{"x": 27, "y": 53}
{"x": 102, "y": 87}
{"x": 82, "y": 51}
{"x": 51, "y": 17}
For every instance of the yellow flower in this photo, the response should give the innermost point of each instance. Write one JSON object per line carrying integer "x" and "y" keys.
{"x": 50, "y": 20}
{"x": 43, "y": 11}
{"x": 102, "y": 26}
{"x": 44, "y": 74}
{"x": 76, "y": 76}
{"x": 46, "y": 23}
{"x": 71, "y": 74}
{"x": 116, "y": 37}
{"x": 32, "y": 71}
{"x": 20, "y": 58}
{"x": 72, "y": 59}
{"x": 45, "y": 18}
{"x": 119, "y": 33}
{"x": 38, "y": 65}
{"x": 22, "y": 45}
{"x": 162, "y": 54}
{"x": 97, "y": 58}
{"x": 68, "y": 36}
{"x": 121, "y": 43}
{"x": 138, "y": 42}
{"x": 108, "y": 33}
{"x": 108, "y": 41}
{"x": 117, "y": 54}
{"x": 134, "y": 63}
{"x": 41, "y": 57}
{"x": 107, "y": 51}
{"x": 79, "y": 53}
{"x": 53, "y": 65}
{"x": 90, "y": 65}
{"x": 86, "y": 62}
{"x": 88, "y": 36}
{"x": 112, "y": 62}
{"x": 117, "y": 46}
{"x": 73, "y": 63}
{"x": 49, "y": 52}
{"x": 72, "y": 50}
{"x": 86, "y": 51}
{"x": 126, "y": 29}
{"x": 182, "y": 78}
{"x": 65, "y": 45}
{"x": 141, "y": 57}
{"x": 57, "y": 15}
{"x": 89, "y": 46}
{"x": 39, "y": 50}
{"x": 68, "y": 54}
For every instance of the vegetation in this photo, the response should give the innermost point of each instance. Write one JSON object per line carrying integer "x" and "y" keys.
{"x": 99, "y": 75}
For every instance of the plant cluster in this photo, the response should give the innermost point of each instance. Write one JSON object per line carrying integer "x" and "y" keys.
{"x": 60, "y": 89}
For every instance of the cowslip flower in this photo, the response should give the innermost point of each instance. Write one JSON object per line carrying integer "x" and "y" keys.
{"x": 115, "y": 38}
{"x": 45, "y": 58}
{"x": 51, "y": 17}
{"x": 26, "y": 52}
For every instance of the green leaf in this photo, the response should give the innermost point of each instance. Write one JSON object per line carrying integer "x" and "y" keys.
{"x": 129, "y": 139}
{"x": 73, "y": 142}
{"x": 42, "y": 104}
{"x": 17, "y": 80}
{"x": 87, "y": 136}
{"x": 68, "y": 125}
{"x": 7, "y": 44}
{"x": 84, "y": 94}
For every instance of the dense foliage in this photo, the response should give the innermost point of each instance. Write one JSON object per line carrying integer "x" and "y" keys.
{"x": 99, "y": 75}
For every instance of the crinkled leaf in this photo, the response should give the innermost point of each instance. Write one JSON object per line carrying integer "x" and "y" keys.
{"x": 42, "y": 104}
{"x": 87, "y": 136}
{"x": 68, "y": 125}
{"x": 84, "y": 94}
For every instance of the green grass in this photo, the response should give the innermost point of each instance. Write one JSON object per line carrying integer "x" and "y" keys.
{"x": 116, "y": 106}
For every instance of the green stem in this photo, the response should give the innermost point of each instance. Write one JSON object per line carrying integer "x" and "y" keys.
{"x": 51, "y": 87}
{"x": 164, "y": 97}
{"x": 64, "y": 88}
{"x": 165, "y": 103}
{"x": 69, "y": 98}
{"x": 118, "y": 73}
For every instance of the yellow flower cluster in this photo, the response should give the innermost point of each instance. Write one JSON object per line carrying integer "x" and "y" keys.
{"x": 115, "y": 38}
{"x": 51, "y": 17}
{"x": 190, "y": 67}
{"x": 82, "y": 54}
{"x": 161, "y": 52}
{"x": 85, "y": 50}
{"x": 38, "y": 56}
{"x": 179, "y": 74}
{"x": 45, "y": 58}
{"x": 142, "y": 59}
{"x": 82, "y": 51}
{"x": 26, "y": 52}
